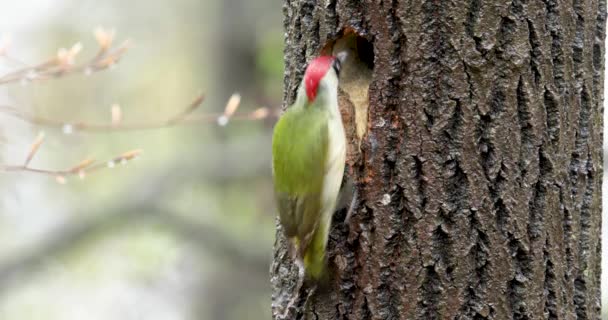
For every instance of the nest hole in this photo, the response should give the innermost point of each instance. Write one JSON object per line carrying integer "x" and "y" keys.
{"x": 355, "y": 79}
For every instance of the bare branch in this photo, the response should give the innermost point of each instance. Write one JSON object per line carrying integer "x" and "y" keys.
{"x": 81, "y": 169}
{"x": 186, "y": 112}
{"x": 63, "y": 63}
{"x": 184, "y": 117}
{"x": 34, "y": 148}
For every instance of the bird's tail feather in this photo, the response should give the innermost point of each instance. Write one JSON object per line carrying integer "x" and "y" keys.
{"x": 314, "y": 256}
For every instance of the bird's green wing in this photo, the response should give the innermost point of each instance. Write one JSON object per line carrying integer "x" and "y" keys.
{"x": 299, "y": 151}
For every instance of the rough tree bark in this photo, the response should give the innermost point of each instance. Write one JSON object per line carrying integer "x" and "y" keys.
{"x": 480, "y": 173}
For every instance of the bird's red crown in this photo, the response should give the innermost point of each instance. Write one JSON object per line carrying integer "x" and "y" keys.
{"x": 317, "y": 68}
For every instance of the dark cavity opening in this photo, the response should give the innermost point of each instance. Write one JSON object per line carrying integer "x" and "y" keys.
{"x": 366, "y": 52}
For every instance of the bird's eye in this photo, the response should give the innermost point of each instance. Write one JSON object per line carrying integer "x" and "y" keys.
{"x": 337, "y": 65}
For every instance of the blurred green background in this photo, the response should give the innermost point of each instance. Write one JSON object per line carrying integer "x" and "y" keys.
{"x": 184, "y": 232}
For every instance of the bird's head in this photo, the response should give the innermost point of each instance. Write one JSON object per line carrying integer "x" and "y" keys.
{"x": 321, "y": 75}
{"x": 320, "y": 82}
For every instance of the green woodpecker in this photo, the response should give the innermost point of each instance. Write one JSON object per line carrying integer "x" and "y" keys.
{"x": 308, "y": 156}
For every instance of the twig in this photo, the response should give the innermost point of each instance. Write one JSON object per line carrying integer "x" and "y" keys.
{"x": 34, "y": 148}
{"x": 184, "y": 117}
{"x": 81, "y": 169}
{"x": 63, "y": 63}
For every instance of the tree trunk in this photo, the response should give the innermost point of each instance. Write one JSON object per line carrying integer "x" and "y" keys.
{"x": 480, "y": 174}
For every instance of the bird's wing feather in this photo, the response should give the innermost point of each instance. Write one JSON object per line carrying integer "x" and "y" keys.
{"x": 299, "y": 150}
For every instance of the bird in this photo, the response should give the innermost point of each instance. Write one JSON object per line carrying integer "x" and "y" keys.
{"x": 308, "y": 160}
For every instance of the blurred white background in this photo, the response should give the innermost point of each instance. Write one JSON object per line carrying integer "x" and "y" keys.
{"x": 182, "y": 233}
